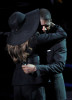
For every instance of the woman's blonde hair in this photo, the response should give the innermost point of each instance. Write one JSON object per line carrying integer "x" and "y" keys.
{"x": 19, "y": 52}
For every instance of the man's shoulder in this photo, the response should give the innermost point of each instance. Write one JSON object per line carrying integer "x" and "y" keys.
{"x": 57, "y": 26}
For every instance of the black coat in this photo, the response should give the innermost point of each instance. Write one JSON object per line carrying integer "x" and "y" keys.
{"x": 20, "y": 78}
{"x": 53, "y": 56}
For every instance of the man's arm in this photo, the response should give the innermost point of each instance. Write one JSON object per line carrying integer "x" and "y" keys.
{"x": 59, "y": 34}
{"x": 59, "y": 60}
{"x": 58, "y": 64}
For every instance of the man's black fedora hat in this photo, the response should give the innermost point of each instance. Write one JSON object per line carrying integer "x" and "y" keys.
{"x": 23, "y": 26}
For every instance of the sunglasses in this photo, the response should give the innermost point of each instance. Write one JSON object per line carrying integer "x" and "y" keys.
{"x": 45, "y": 25}
{"x": 41, "y": 26}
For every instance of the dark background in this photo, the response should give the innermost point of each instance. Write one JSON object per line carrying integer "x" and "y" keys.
{"x": 61, "y": 15}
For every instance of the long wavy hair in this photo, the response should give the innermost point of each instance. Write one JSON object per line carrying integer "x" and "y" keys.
{"x": 19, "y": 52}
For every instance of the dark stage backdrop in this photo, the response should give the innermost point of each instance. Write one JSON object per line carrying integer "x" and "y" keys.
{"x": 61, "y": 14}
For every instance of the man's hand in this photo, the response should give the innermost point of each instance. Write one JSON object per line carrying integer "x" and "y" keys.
{"x": 29, "y": 68}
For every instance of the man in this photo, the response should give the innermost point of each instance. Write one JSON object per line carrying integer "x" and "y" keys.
{"x": 53, "y": 57}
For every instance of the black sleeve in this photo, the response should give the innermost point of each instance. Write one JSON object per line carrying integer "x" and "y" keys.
{"x": 58, "y": 64}
{"x": 58, "y": 34}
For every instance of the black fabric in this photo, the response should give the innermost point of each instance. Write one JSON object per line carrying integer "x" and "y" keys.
{"x": 28, "y": 86}
{"x": 29, "y": 93}
{"x": 20, "y": 78}
{"x": 53, "y": 56}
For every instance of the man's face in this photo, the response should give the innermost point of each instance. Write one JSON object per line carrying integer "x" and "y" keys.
{"x": 45, "y": 25}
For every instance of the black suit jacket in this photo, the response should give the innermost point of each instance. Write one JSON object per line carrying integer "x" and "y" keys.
{"x": 53, "y": 54}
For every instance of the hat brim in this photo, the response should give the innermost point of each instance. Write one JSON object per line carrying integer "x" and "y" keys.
{"x": 27, "y": 30}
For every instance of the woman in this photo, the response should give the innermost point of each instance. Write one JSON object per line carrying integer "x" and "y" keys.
{"x": 26, "y": 86}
